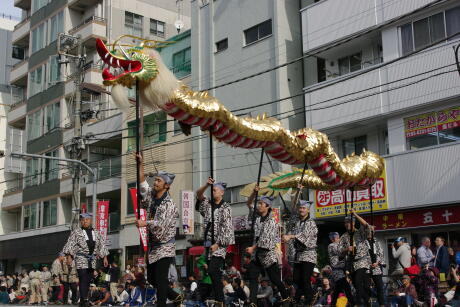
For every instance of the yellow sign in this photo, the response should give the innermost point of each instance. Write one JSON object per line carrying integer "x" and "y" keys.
{"x": 432, "y": 122}
{"x": 332, "y": 203}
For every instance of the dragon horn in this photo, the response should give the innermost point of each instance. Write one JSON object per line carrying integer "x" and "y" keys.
{"x": 124, "y": 52}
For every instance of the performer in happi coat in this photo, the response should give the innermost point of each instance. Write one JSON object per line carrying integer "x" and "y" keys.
{"x": 378, "y": 263}
{"x": 162, "y": 214}
{"x": 338, "y": 275}
{"x": 357, "y": 253}
{"x": 304, "y": 235}
{"x": 85, "y": 245}
{"x": 218, "y": 235}
{"x": 266, "y": 237}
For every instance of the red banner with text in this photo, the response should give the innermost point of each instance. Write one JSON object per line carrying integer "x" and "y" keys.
{"x": 102, "y": 218}
{"x": 143, "y": 217}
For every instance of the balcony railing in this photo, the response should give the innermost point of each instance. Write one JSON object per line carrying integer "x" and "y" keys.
{"x": 182, "y": 70}
{"x": 14, "y": 186}
{"x": 20, "y": 63}
{"x": 22, "y": 22}
{"x": 86, "y": 21}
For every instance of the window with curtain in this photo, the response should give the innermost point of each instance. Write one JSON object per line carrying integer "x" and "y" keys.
{"x": 157, "y": 28}
{"x": 453, "y": 22}
{"x": 182, "y": 63}
{"x": 133, "y": 24}
{"x": 33, "y": 170}
{"x": 49, "y": 210}
{"x": 350, "y": 64}
{"x": 51, "y": 167}
{"x": 54, "y": 71}
{"x": 52, "y": 116}
{"x": 56, "y": 26}
{"x": 38, "y": 38}
{"x": 29, "y": 216}
{"x": 154, "y": 130}
{"x": 37, "y": 80}
{"x": 34, "y": 125}
{"x": 258, "y": 32}
{"x": 354, "y": 145}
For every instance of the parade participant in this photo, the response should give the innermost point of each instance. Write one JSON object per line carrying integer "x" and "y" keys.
{"x": 162, "y": 215}
{"x": 220, "y": 234}
{"x": 35, "y": 285}
{"x": 56, "y": 270}
{"x": 338, "y": 276}
{"x": 378, "y": 263}
{"x": 46, "y": 283}
{"x": 85, "y": 245}
{"x": 305, "y": 237}
{"x": 69, "y": 279}
{"x": 359, "y": 255}
{"x": 251, "y": 272}
{"x": 266, "y": 236}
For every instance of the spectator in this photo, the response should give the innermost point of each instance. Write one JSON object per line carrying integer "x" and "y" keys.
{"x": 231, "y": 271}
{"x": 193, "y": 295}
{"x": 105, "y": 297}
{"x": 251, "y": 273}
{"x": 402, "y": 254}
{"x": 4, "y": 297}
{"x": 413, "y": 254}
{"x": 238, "y": 295}
{"x": 122, "y": 295}
{"x": 451, "y": 253}
{"x": 135, "y": 296}
{"x": 228, "y": 289}
{"x": 406, "y": 294}
{"x": 455, "y": 302}
{"x": 429, "y": 285}
{"x": 246, "y": 290}
{"x": 441, "y": 260}
{"x": 425, "y": 257}
{"x": 114, "y": 272}
{"x": 94, "y": 294}
{"x": 325, "y": 293}
{"x": 265, "y": 294}
{"x": 205, "y": 285}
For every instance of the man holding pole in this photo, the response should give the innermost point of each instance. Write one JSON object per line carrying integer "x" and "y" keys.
{"x": 162, "y": 215}
{"x": 219, "y": 233}
{"x": 266, "y": 236}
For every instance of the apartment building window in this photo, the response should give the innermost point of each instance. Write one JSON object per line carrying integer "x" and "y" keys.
{"x": 182, "y": 63}
{"x": 177, "y": 128}
{"x": 34, "y": 125}
{"x": 49, "y": 213}
{"x": 222, "y": 45}
{"x": 154, "y": 130}
{"x": 38, "y": 4}
{"x": 354, "y": 145}
{"x": 56, "y": 26}
{"x": 421, "y": 33}
{"x": 52, "y": 116}
{"x": 37, "y": 81}
{"x": 54, "y": 71}
{"x": 157, "y": 27}
{"x": 350, "y": 64}
{"x": 133, "y": 24}
{"x": 51, "y": 167}
{"x": 17, "y": 53}
{"x": 38, "y": 38}
{"x": 258, "y": 32}
{"x": 33, "y": 171}
{"x": 29, "y": 216}
{"x": 432, "y": 128}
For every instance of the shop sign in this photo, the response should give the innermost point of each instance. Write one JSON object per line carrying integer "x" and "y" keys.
{"x": 417, "y": 218}
{"x": 432, "y": 122}
{"x": 332, "y": 203}
{"x": 188, "y": 214}
{"x": 102, "y": 218}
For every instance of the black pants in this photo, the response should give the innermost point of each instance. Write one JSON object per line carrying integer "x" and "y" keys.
{"x": 205, "y": 291}
{"x": 378, "y": 283}
{"x": 70, "y": 286}
{"x": 274, "y": 274}
{"x": 342, "y": 286}
{"x": 85, "y": 277}
{"x": 55, "y": 293}
{"x": 157, "y": 275}
{"x": 361, "y": 281}
{"x": 215, "y": 272}
{"x": 302, "y": 274}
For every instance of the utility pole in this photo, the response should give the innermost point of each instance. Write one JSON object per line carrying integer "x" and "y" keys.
{"x": 77, "y": 145}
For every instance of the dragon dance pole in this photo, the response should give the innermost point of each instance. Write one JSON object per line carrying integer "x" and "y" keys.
{"x": 257, "y": 192}
{"x": 211, "y": 174}
{"x": 138, "y": 164}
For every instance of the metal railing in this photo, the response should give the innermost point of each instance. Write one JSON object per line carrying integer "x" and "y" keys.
{"x": 86, "y": 21}
{"x": 106, "y": 168}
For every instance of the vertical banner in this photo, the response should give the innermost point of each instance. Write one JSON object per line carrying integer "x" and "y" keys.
{"x": 143, "y": 217}
{"x": 102, "y": 219}
{"x": 188, "y": 215}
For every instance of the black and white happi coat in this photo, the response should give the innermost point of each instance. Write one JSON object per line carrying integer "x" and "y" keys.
{"x": 362, "y": 258}
{"x": 305, "y": 232}
{"x": 337, "y": 261}
{"x": 266, "y": 236}
{"x": 223, "y": 225}
{"x": 77, "y": 247}
{"x": 380, "y": 259}
{"x": 161, "y": 224}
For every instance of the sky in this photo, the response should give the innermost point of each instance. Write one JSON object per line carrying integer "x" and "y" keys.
{"x": 7, "y": 8}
